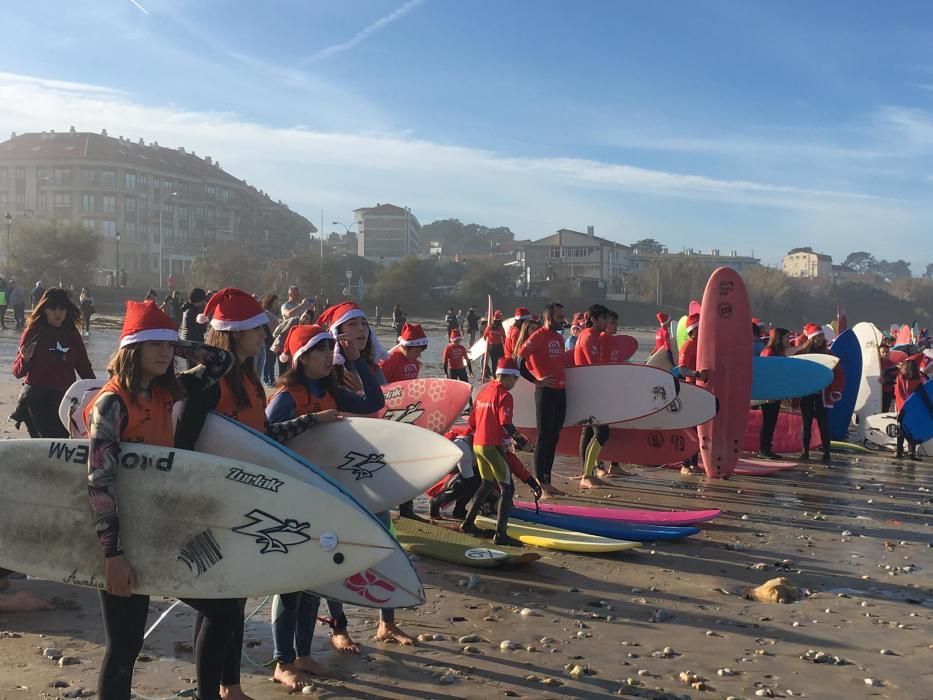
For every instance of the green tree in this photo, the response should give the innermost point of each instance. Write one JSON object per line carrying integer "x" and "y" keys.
{"x": 404, "y": 282}
{"x": 897, "y": 269}
{"x": 649, "y": 246}
{"x": 861, "y": 262}
{"x": 482, "y": 278}
{"x": 55, "y": 250}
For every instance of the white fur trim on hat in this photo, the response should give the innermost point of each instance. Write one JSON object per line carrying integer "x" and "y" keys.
{"x": 244, "y": 325}
{"x": 815, "y": 333}
{"x": 150, "y": 334}
{"x": 508, "y": 370}
{"x": 690, "y": 328}
{"x": 416, "y": 343}
{"x": 379, "y": 351}
{"x": 310, "y": 344}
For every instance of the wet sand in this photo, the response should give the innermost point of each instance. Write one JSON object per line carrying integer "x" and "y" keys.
{"x": 858, "y": 536}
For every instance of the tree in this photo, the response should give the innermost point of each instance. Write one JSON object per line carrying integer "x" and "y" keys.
{"x": 897, "y": 269}
{"x": 404, "y": 282}
{"x": 482, "y": 278}
{"x": 55, "y": 251}
{"x": 929, "y": 273}
{"x": 649, "y": 246}
{"x": 861, "y": 262}
{"x": 456, "y": 237}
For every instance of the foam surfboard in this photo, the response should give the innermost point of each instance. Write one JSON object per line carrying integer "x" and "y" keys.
{"x": 435, "y": 404}
{"x": 744, "y": 469}
{"x": 767, "y": 463}
{"x": 828, "y": 361}
{"x": 692, "y": 406}
{"x": 621, "y": 348}
{"x": 602, "y": 394}
{"x": 778, "y": 378}
{"x": 905, "y": 335}
{"x": 442, "y": 544}
{"x": 647, "y": 447}
{"x": 868, "y": 399}
{"x": 787, "y": 433}
{"x": 71, "y": 408}
{"x": 555, "y": 538}
{"x": 848, "y": 349}
{"x": 614, "y": 529}
{"x": 724, "y": 350}
{"x": 682, "y": 330}
{"x": 190, "y": 525}
{"x": 392, "y": 582}
{"x": 629, "y": 515}
{"x": 917, "y": 414}
{"x": 881, "y": 432}
{"x": 661, "y": 359}
{"x": 673, "y": 334}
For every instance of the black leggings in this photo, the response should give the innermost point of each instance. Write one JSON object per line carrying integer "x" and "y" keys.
{"x": 812, "y": 407}
{"x": 38, "y": 409}
{"x": 494, "y": 353}
{"x": 231, "y": 675}
{"x": 769, "y": 419}
{"x": 125, "y": 625}
{"x": 550, "y": 411}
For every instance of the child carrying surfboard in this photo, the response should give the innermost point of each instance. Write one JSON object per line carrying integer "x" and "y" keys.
{"x": 493, "y": 431}
{"x": 135, "y": 405}
{"x": 813, "y": 407}
{"x": 908, "y": 381}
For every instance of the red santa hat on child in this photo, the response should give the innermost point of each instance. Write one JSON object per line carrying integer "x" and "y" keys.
{"x": 497, "y": 316}
{"x": 693, "y": 320}
{"x": 146, "y": 321}
{"x": 456, "y": 335}
{"x": 335, "y": 316}
{"x": 662, "y": 317}
{"x": 413, "y": 336}
{"x": 232, "y": 309}
{"x": 508, "y": 365}
{"x": 812, "y": 330}
{"x": 300, "y": 339}
{"x": 522, "y": 314}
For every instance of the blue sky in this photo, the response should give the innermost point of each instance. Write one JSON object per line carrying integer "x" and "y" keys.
{"x": 756, "y": 126}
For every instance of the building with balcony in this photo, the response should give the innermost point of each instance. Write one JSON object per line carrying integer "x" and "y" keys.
{"x": 573, "y": 255}
{"x": 805, "y": 263}
{"x": 387, "y": 233}
{"x": 167, "y": 204}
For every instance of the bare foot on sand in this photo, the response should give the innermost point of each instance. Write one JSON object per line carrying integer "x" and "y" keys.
{"x": 291, "y": 677}
{"x": 591, "y": 482}
{"x": 549, "y": 491}
{"x": 341, "y": 641}
{"x": 233, "y": 692}
{"x": 308, "y": 665}
{"x": 390, "y": 632}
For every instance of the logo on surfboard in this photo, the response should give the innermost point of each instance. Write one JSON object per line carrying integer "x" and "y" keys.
{"x": 408, "y": 414}
{"x": 362, "y": 466}
{"x": 273, "y": 534}
{"x": 368, "y": 584}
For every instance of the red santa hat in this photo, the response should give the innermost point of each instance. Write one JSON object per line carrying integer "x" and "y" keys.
{"x": 455, "y": 335}
{"x": 413, "y": 336}
{"x": 497, "y": 316}
{"x": 300, "y": 339}
{"x": 508, "y": 365}
{"x": 232, "y": 309}
{"x": 812, "y": 330}
{"x": 146, "y": 321}
{"x": 522, "y": 314}
{"x": 693, "y": 320}
{"x": 335, "y": 316}
{"x": 662, "y": 317}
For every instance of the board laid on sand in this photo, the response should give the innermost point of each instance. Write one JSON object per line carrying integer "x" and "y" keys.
{"x": 603, "y": 394}
{"x": 435, "y": 404}
{"x": 662, "y": 359}
{"x": 881, "y": 434}
{"x": 615, "y": 529}
{"x": 743, "y": 469}
{"x": 434, "y": 542}
{"x": 767, "y": 463}
{"x": 675, "y": 518}
{"x": 777, "y": 378}
{"x": 392, "y": 582}
{"x": 193, "y": 525}
{"x": 787, "y": 433}
{"x": 647, "y": 447}
{"x": 555, "y": 538}
{"x": 692, "y": 406}
{"x": 848, "y": 349}
{"x": 621, "y": 348}
{"x": 868, "y": 399}
{"x": 917, "y": 414}
{"x": 724, "y": 350}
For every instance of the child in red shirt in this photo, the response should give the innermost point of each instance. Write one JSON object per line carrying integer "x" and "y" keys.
{"x": 457, "y": 359}
{"x": 403, "y": 362}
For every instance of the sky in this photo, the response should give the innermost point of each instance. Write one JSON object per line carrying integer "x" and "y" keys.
{"x": 751, "y": 126}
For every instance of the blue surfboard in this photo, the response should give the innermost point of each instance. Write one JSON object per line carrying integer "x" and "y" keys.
{"x": 849, "y": 351}
{"x": 615, "y": 529}
{"x": 917, "y": 414}
{"x": 776, "y": 378}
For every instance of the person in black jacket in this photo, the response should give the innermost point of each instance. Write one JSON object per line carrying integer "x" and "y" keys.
{"x": 191, "y": 329}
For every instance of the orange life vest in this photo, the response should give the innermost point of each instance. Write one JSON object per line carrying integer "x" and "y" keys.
{"x": 148, "y": 420}
{"x": 253, "y": 415}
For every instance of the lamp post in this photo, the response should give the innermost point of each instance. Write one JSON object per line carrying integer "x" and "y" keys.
{"x": 161, "y": 204}
{"x": 9, "y": 228}
{"x": 116, "y": 271}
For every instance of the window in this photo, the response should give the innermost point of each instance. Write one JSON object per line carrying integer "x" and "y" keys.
{"x": 89, "y": 224}
{"x": 87, "y": 202}
{"x": 110, "y": 228}
{"x": 20, "y": 172}
{"x": 108, "y": 204}
{"x": 226, "y": 194}
{"x": 4, "y": 176}
{"x": 211, "y": 192}
{"x": 129, "y": 230}
{"x": 20, "y": 200}
{"x": 42, "y": 201}
{"x": 62, "y": 200}
{"x": 554, "y": 252}
{"x": 129, "y": 203}
{"x": 144, "y": 181}
{"x": 88, "y": 176}
{"x": 4, "y": 200}
{"x": 129, "y": 181}
{"x": 108, "y": 178}
{"x": 61, "y": 176}
{"x": 209, "y": 212}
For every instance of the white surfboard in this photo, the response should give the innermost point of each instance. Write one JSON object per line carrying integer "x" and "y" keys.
{"x": 392, "y": 583}
{"x": 602, "y": 394}
{"x": 71, "y": 408}
{"x": 661, "y": 360}
{"x": 881, "y": 430}
{"x": 868, "y": 400}
{"x": 693, "y": 405}
{"x": 673, "y": 332}
{"x": 828, "y": 332}
{"x": 478, "y": 349}
{"x": 192, "y": 525}
{"x": 829, "y": 361}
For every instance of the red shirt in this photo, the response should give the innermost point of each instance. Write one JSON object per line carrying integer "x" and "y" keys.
{"x": 903, "y": 388}
{"x": 494, "y": 336}
{"x": 545, "y": 356}
{"x": 662, "y": 339}
{"x": 508, "y": 347}
{"x": 590, "y": 347}
{"x": 768, "y": 352}
{"x": 455, "y": 356}
{"x": 492, "y": 410}
{"x": 688, "y": 358}
{"x": 59, "y": 353}
{"x": 396, "y": 367}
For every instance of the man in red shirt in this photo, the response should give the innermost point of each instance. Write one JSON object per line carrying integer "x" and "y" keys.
{"x": 543, "y": 361}
{"x": 493, "y": 431}
{"x": 521, "y": 315}
{"x": 402, "y": 362}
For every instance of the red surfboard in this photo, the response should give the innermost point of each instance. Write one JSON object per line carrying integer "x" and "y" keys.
{"x": 905, "y": 335}
{"x": 694, "y": 307}
{"x": 621, "y": 347}
{"x": 724, "y": 350}
{"x": 434, "y": 404}
{"x": 647, "y": 447}
{"x": 787, "y": 438}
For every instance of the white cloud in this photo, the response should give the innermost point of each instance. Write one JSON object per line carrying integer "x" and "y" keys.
{"x": 365, "y": 33}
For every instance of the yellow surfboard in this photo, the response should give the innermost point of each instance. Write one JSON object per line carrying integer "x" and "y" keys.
{"x": 555, "y": 538}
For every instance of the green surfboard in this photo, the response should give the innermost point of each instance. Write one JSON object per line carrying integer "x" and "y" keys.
{"x": 434, "y": 542}
{"x": 681, "y": 331}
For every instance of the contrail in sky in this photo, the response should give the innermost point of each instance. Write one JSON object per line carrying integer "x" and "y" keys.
{"x": 142, "y": 9}
{"x": 365, "y": 33}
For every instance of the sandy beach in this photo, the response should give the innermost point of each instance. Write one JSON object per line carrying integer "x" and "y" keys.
{"x": 857, "y": 536}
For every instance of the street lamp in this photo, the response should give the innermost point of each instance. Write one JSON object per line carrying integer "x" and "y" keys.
{"x": 162, "y": 204}
{"x": 116, "y": 272}
{"x": 9, "y": 228}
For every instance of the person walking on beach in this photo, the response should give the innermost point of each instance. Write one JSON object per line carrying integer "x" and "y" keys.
{"x": 590, "y": 349}
{"x": 398, "y": 319}
{"x": 543, "y": 362}
{"x": 495, "y": 343}
{"x": 472, "y": 323}
{"x": 3, "y": 302}
{"x": 687, "y": 370}
{"x": 778, "y": 345}
{"x": 86, "y": 301}
{"x": 17, "y": 299}
{"x": 522, "y": 316}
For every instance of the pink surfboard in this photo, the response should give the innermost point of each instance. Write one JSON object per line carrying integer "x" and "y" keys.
{"x": 905, "y": 335}
{"x": 435, "y": 404}
{"x": 724, "y": 350}
{"x": 694, "y": 307}
{"x": 897, "y": 356}
{"x": 741, "y": 470}
{"x": 647, "y": 447}
{"x": 621, "y": 348}
{"x": 629, "y": 515}
{"x": 787, "y": 433}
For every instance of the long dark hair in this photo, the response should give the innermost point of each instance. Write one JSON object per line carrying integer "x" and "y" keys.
{"x": 808, "y": 346}
{"x": 776, "y": 341}
{"x": 295, "y": 375}
{"x": 125, "y": 365}
{"x": 55, "y": 298}
{"x": 268, "y": 301}
{"x": 243, "y": 374}
{"x": 910, "y": 369}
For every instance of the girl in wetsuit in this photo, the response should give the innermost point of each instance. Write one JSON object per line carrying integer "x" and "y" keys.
{"x": 495, "y": 341}
{"x": 812, "y": 406}
{"x": 777, "y": 346}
